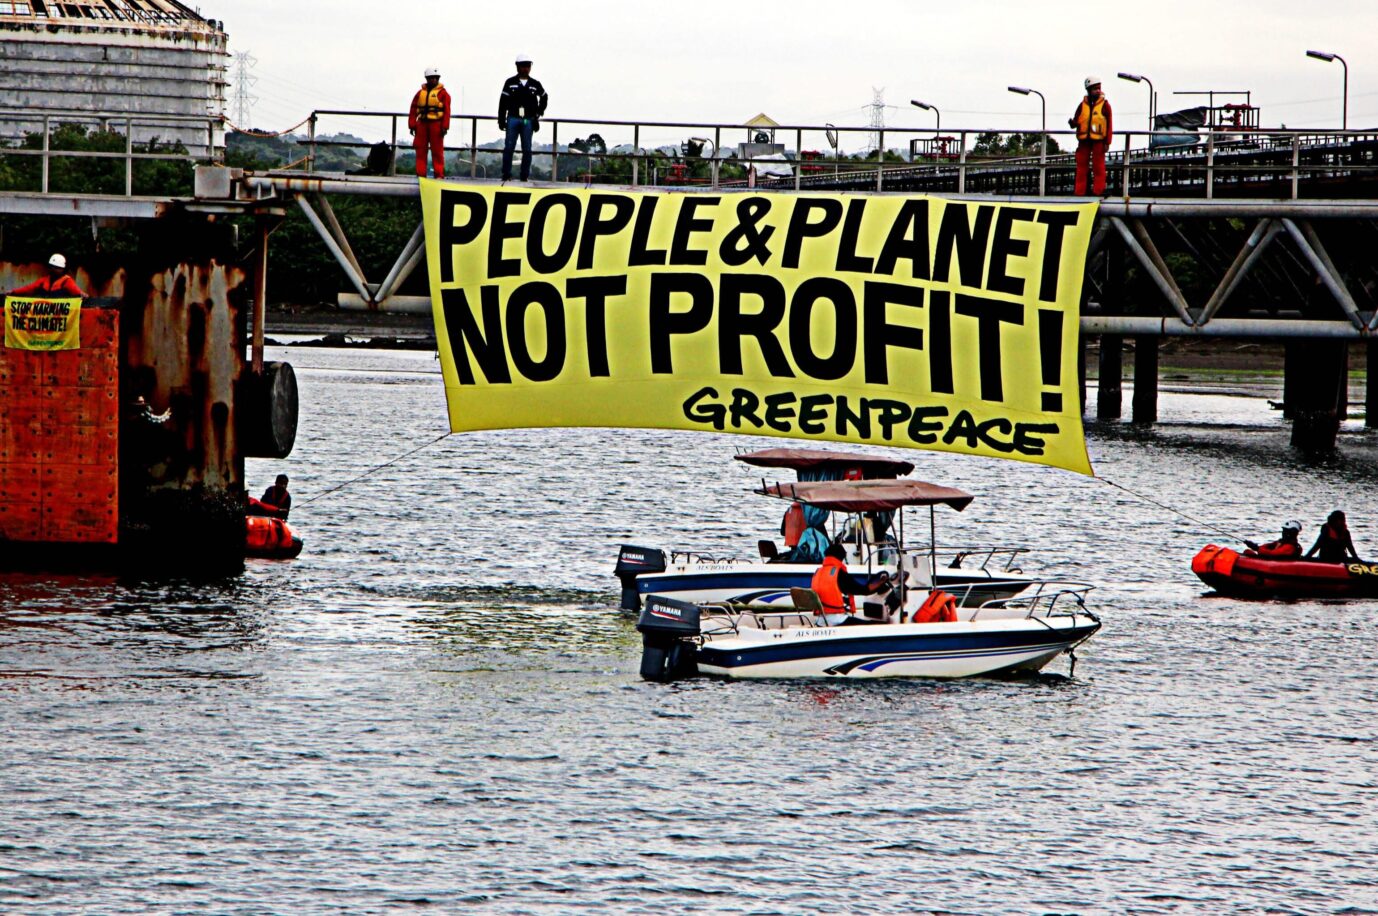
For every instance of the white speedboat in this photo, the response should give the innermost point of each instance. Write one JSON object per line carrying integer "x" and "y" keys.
{"x": 975, "y": 574}
{"x": 1019, "y": 634}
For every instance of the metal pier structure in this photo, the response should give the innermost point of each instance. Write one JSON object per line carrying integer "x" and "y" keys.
{"x": 1264, "y": 235}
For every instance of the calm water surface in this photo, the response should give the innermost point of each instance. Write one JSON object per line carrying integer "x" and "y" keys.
{"x": 436, "y": 708}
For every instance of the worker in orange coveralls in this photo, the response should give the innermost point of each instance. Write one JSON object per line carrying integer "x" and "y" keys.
{"x": 56, "y": 283}
{"x": 1094, "y": 127}
{"x": 429, "y": 122}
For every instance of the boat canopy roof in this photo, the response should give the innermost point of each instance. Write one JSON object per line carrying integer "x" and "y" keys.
{"x": 870, "y": 495}
{"x": 800, "y": 458}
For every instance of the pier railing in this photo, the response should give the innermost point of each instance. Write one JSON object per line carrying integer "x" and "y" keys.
{"x": 1232, "y": 162}
{"x": 37, "y": 136}
{"x": 1228, "y": 162}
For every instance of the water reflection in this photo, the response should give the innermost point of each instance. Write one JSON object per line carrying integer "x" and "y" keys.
{"x": 438, "y": 702}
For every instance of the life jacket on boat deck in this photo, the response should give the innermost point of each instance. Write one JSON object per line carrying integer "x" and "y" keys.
{"x": 829, "y": 592}
{"x": 938, "y": 607}
{"x": 792, "y": 526}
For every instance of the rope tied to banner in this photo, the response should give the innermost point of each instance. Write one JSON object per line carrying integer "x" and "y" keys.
{"x": 371, "y": 471}
{"x": 1148, "y": 499}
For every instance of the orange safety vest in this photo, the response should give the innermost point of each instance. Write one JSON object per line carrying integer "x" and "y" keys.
{"x": 1279, "y": 550}
{"x": 793, "y": 525}
{"x": 429, "y": 106}
{"x": 939, "y": 607}
{"x": 829, "y": 592}
{"x": 1091, "y": 120}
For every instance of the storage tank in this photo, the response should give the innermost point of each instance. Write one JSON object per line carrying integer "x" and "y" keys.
{"x": 146, "y": 58}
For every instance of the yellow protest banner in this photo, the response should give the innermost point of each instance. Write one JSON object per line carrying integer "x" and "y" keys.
{"x": 42, "y": 324}
{"x": 894, "y": 320}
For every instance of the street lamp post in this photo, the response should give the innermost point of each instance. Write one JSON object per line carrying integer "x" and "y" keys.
{"x": 937, "y": 125}
{"x": 1327, "y": 56}
{"x": 1043, "y": 139}
{"x": 1152, "y": 99}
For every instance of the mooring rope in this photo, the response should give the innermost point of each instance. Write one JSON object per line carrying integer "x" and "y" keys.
{"x": 371, "y": 471}
{"x": 265, "y": 134}
{"x": 1191, "y": 518}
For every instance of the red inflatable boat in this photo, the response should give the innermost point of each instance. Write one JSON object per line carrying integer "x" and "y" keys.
{"x": 270, "y": 539}
{"x": 1242, "y": 576}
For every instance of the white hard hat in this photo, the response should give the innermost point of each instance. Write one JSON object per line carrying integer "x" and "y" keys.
{"x": 1291, "y": 526}
{"x": 523, "y": 58}
{"x": 1092, "y": 81}
{"x": 58, "y": 261}
{"x": 431, "y": 71}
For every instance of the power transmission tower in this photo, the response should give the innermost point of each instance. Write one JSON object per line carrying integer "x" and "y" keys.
{"x": 877, "y": 116}
{"x": 243, "y": 81}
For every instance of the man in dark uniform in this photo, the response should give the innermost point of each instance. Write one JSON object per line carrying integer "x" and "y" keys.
{"x": 520, "y": 108}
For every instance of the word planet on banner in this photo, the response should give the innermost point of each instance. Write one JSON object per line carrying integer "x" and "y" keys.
{"x": 42, "y": 324}
{"x": 905, "y": 321}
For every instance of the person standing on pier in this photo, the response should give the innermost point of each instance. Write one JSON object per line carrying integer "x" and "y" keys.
{"x": 1094, "y": 127}
{"x": 57, "y": 282}
{"x": 520, "y": 108}
{"x": 429, "y": 122}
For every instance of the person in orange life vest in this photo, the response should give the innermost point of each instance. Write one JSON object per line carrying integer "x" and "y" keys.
{"x": 429, "y": 122}
{"x": 1285, "y": 548}
{"x": 57, "y": 283}
{"x": 1094, "y": 127}
{"x": 835, "y": 588}
{"x": 277, "y": 497}
{"x": 276, "y": 501}
{"x": 1334, "y": 543}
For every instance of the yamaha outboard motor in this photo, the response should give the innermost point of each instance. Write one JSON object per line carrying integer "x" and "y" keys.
{"x": 668, "y": 628}
{"x": 632, "y": 562}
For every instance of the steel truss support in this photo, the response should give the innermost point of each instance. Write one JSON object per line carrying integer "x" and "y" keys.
{"x": 1309, "y": 242}
{"x": 406, "y": 263}
{"x": 1264, "y": 232}
{"x": 1141, "y": 244}
{"x": 327, "y": 226}
{"x": 356, "y": 276}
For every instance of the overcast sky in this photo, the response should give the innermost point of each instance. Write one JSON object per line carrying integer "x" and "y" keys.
{"x": 808, "y": 62}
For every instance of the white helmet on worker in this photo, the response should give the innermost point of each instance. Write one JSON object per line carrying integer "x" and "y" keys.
{"x": 523, "y": 58}
{"x": 1291, "y": 526}
{"x": 58, "y": 261}
{"x": 1092, "y": 81}
{"x": 431, "y": 71}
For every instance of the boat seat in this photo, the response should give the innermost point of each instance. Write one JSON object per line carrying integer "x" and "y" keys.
{"x": 767, "y": 550}
{"x": 806, "y": 599}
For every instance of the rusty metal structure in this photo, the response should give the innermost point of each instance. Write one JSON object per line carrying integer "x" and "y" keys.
{"x": 165, "y": 353}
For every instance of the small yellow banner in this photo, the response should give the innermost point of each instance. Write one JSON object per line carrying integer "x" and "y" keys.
{"x": 42, "y": 324}
{"x": 908, "y": 321}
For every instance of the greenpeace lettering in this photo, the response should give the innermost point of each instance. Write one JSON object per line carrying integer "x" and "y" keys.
{"x": 912, "y": 321}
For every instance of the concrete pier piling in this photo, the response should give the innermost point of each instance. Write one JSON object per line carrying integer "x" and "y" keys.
{"x": 1371, "y": 385}
{"x": 1110, "y": 389}
{"x": 1145, "y": 406}
{"x": 1316, "y": 391}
